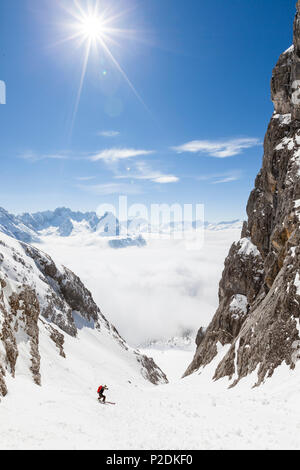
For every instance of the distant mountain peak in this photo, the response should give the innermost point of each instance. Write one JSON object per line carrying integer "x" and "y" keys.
{"x": 63, "y": 222}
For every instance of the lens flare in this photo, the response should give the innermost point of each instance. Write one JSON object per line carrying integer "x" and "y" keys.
{"x": 96, "y": 28}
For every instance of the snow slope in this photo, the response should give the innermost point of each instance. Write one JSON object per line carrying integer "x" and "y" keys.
{"x": 194, "y": 413}
{"x": 171, "y": 360}
{"x": 173, "y": 355}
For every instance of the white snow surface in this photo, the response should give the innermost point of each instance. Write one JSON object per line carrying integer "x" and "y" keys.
{"x": 286, "y": 142}
{"x": 284, "y": 119}
{"x": 194, "y": 413}
{"x": 297, "y": 283}
{"x": 290, "y": 49}
{"x": 239, "y": 304}
{"x": 248, "y": 248}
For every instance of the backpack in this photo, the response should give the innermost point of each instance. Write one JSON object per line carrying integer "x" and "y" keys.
{"x": 100, "y": 389}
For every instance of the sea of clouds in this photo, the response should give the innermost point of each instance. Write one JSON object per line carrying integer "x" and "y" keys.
{"x": 153, "y": 292}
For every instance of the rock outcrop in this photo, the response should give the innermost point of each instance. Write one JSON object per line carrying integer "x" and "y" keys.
{"x": 127, "y": 242}
{"x": 36, "y": 295}
{"x": 259, "y": 296}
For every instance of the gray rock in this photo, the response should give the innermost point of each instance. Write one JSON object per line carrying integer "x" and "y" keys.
{"x": 264, "y": 266}
{"x": 127, "y": 242}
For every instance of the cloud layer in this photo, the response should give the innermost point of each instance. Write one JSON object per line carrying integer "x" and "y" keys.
{"x": 151, "y": 292}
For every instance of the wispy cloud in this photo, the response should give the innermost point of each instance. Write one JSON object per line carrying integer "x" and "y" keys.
{"x": 115, "y": 154}
{"x": 107, "y": 189}
{"x": 35, "y": 157}
{"x": 218, "y": 149}
{"x": 165, "y": 179}
{"x": 219, "y": 178}
{"x": 109, "y": 133}
{"x": 85, "y": 178}
{"x": 143, "y": 172}
{"x": 227, "y": 179}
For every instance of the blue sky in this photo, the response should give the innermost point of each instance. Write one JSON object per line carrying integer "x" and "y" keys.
{"x": 185, "y": 126}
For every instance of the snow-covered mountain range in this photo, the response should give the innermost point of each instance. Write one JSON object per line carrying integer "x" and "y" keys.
{"x": 13, "y": 226}
{"x": 64, "y": 222}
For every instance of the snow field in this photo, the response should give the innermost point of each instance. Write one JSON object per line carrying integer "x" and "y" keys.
{"x": 194, "y": 413}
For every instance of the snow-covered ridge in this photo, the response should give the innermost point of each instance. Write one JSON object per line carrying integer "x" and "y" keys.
{"x": 247, "y": 248}
{"x": 38, "y": 299}
{"x": 239, "y": 304}
{"x": 11, "y": 225}
{"x": 284, "y": 119}
{"x": 119, "y": 234}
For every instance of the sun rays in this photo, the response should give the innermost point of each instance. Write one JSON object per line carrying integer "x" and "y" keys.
{"x": 94, "y": 28}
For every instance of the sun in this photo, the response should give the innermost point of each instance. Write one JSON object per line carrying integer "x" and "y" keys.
{"x": 92, "y": 27}
{"x": 94, "y": 23}
{"x": 97, "y": 29}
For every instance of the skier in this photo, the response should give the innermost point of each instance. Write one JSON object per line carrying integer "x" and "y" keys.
{"x": 100, "y": 392}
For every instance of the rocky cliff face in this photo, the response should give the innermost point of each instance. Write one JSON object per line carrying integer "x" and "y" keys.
{"x": 259, "y": 310}
{"x": 38, "y": 296}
